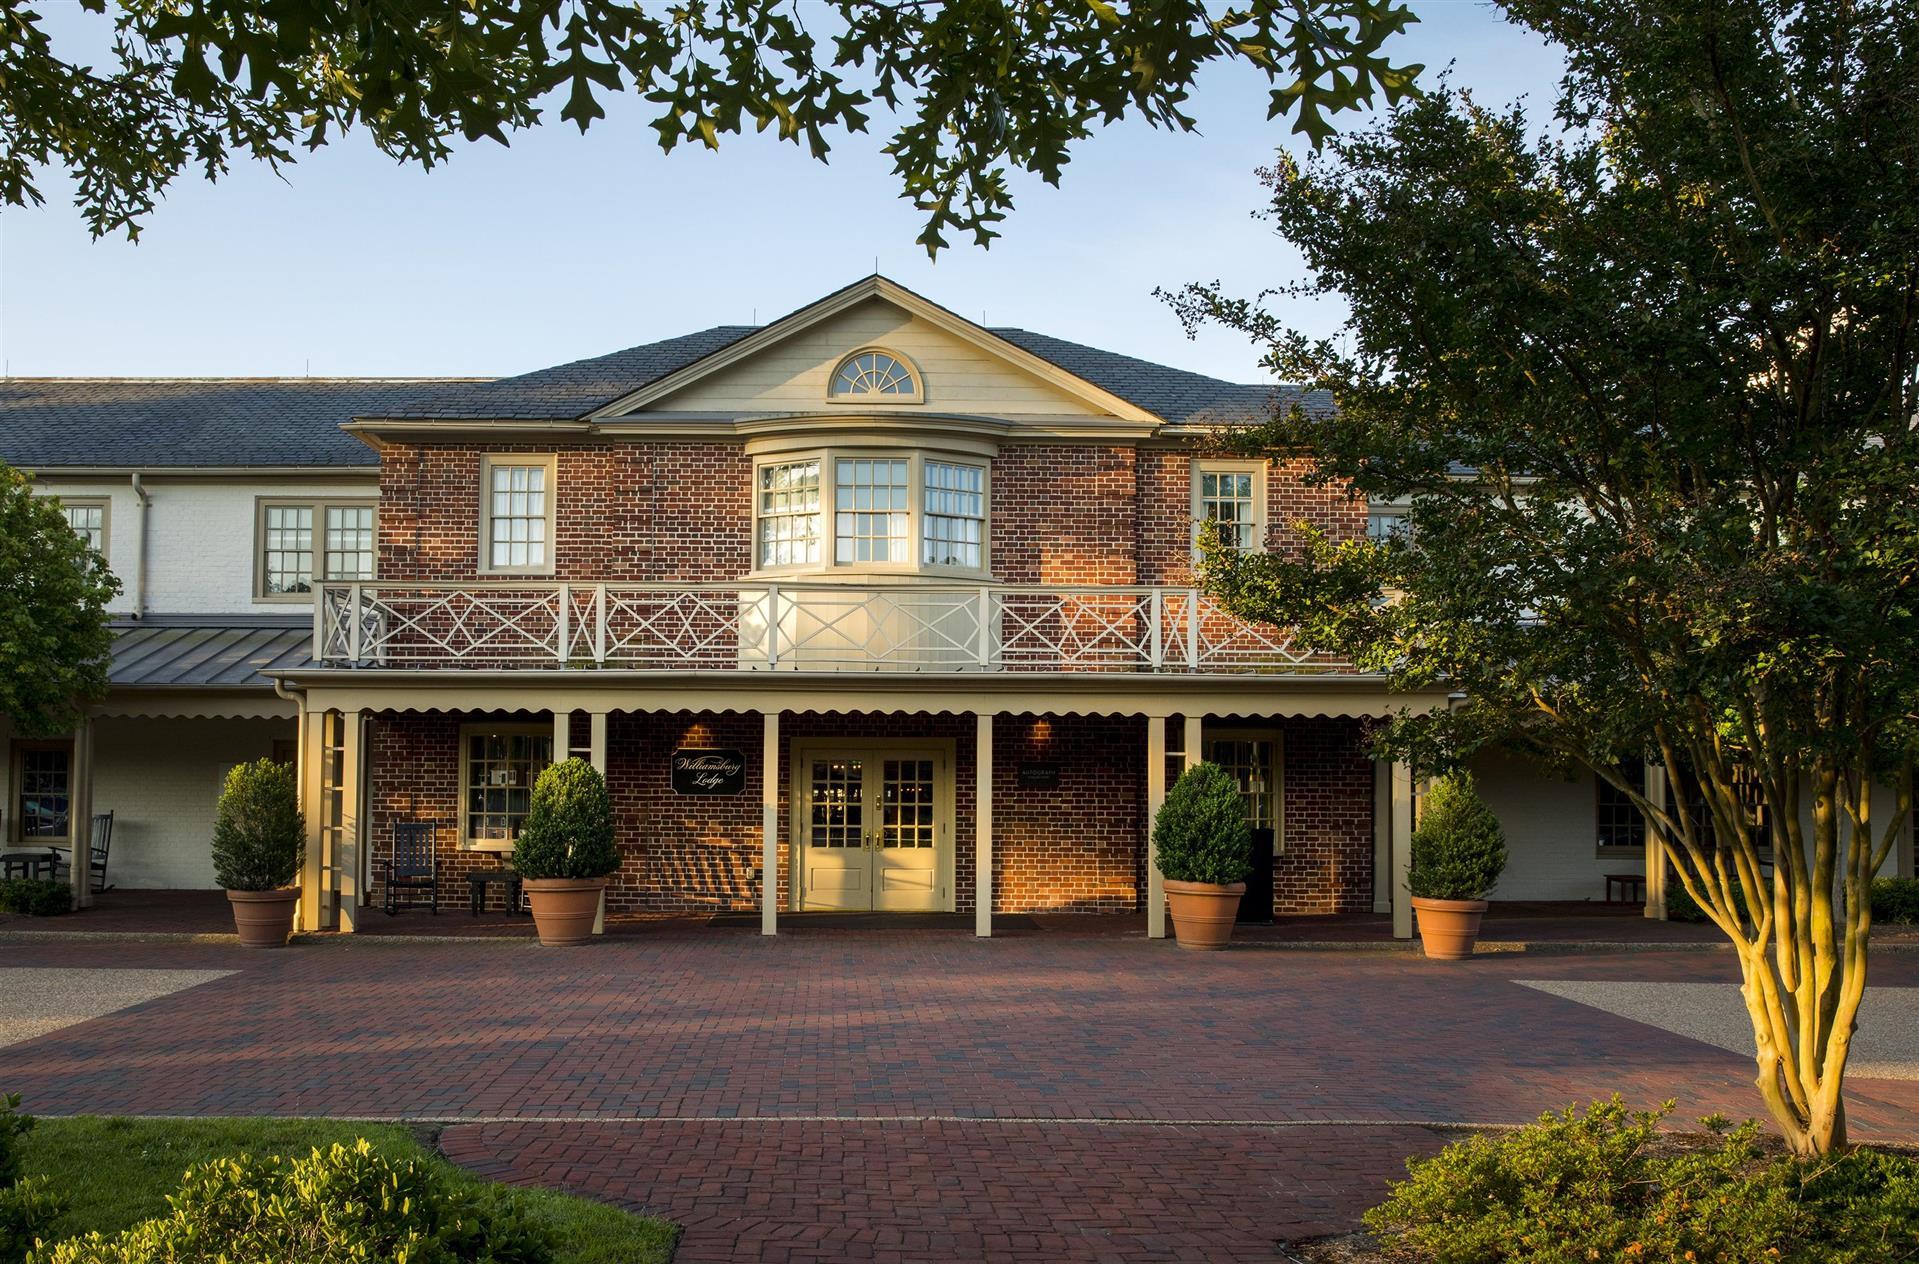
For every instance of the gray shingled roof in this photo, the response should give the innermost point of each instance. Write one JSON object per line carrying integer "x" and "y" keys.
{"x": 202, "y": 654}
{"x": 569, "y": 391}
{"x": 51, "y": 422}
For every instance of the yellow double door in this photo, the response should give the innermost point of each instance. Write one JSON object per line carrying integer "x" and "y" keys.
{"x": 875, "y": 827}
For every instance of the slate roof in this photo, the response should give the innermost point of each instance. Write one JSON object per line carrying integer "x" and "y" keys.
{"x": 185, "y": 422}
{"x": 215, "y": 653}
{"x": 570, "y": 391}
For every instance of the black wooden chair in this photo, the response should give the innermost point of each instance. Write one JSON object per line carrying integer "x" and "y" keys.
{"x": 99, "y": 843}
{"x": 412, "y": 866}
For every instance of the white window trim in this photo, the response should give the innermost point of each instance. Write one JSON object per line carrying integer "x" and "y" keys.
{"x": 466, "y": 841}
{"x": 883, "y": 401}
{"x": 489, "y": 462}
{"x": 829, "y": 567}
{"x": 104, "y": 504}
{"x": 319, "y": 506}
{"x": 1277, "y": 737}
{"x": 1197, "y": 506}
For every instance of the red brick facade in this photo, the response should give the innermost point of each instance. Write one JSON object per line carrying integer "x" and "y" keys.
{"x": 1060, "y": 514}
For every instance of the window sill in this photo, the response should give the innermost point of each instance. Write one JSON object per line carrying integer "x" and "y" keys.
{"x": 847, "y": 576}
{"x": 1619, "y": 853}
{"x": 493, "y": 848}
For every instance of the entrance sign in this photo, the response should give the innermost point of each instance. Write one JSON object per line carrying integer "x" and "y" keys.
{"x": 701, "y": 771}
{"x": 1034, "y": 775}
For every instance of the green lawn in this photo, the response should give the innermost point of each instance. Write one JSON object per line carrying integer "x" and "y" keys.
{"x": 119, "y": 1171}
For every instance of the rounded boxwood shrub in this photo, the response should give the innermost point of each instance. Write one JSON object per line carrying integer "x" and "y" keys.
{"x": 1457, "y": 851}
{"x": 346, "y": 1205}
{"x": 1201, "y": 831}
{"x": 568, "y": 831}
{"x": 258, "y": 831}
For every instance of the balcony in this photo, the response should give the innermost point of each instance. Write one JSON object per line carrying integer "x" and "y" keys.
{"x": 798, "y": 627}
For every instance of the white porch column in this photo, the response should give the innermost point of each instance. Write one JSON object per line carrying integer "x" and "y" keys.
{"x": 983, "y": 824}
{"x": 1402, "y": 834}
{"x": 596, "y": 755}
{"x": 1194, "y": 753}
{"x": 1657, "y": 787}
{"x": 80, "y": 813}
{"x": 313, "y": 806}
{"x": 1155, "y": 797}
{"x": 562, "y": 735}
{"x": 770, "y": 824}
{"x": 350, "y": 850}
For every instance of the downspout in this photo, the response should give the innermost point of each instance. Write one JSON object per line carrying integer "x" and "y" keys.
{"x": 140, "y": 551}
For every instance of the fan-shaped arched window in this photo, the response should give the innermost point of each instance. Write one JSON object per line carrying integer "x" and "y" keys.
{"x": 874, "y": 375}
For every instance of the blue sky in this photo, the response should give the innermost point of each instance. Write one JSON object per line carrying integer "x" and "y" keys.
{"x": 564, "y": 246}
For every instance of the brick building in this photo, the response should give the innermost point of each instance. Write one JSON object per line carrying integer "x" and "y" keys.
{"x": 867, "y": 608}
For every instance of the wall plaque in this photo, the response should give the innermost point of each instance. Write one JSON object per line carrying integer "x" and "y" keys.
{"x": 1034, "y": 775}
{"x": 699, "y": 771}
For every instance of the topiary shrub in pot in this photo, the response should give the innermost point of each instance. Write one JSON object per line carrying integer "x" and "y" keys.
{"x": 1205, "y": 851}
{"x": 1456, "y": 855}
{"x": 565, "y": 851}
{"x": 258, "y": 835}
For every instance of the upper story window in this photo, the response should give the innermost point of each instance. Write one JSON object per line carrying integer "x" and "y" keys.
{"x": 877, "y": 376}
{"x": 516, "y": 515}
{"x": 901, "y": 511}
{"x": 1230, "y": 498}
{"x": 305, "y": 542}
{"x": 1385, "y": 523}
{"x": 88, "y": 518}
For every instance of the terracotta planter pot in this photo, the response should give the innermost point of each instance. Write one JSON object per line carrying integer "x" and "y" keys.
{"x": 1203, "y": 913}
{"x": 564, "y": 908}
{"x": 1448, "y": 928}
{"x": 264, "y": 918}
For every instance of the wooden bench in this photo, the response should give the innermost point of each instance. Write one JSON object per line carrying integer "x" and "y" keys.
{"x": 1631, "y": 886}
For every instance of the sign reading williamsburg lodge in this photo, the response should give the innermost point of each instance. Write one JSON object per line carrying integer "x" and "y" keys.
{"x": 708, "y": 771}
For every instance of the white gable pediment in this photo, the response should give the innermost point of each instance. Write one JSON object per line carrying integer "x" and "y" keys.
{"x": 964, "y": 370}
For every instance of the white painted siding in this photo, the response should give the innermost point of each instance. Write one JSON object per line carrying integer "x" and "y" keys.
{"x": 161, "y": 780}
{"x": 200, "y": 555}
{"x": 956, "y": 376}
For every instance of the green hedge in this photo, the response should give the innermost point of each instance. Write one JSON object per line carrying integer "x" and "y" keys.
{"x": 38, "y": 897}
{"x": 1599, "y": 1186}
{"x": 344, "y": 1205}
{"x": 1895, "y": 901}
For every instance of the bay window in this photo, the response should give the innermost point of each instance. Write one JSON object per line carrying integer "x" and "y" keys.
{"x": 889, "y": 511}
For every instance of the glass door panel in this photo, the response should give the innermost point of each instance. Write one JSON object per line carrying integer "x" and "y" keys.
{"x": 838, "y": 865}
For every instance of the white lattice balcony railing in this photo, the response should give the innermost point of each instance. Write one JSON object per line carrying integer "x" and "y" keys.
{"x": 792, "y": 627}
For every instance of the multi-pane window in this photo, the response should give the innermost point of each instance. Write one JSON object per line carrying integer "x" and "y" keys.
{"x": 500, "y": 770}
{"x": 1385, "y": 524}
{"x": 305, "y": 543}
{"x": 1251, "y": 763}
{"x": 349, "y": 542}
{"x": 287, "y": 564}
{"x": 518, "y": 511}
{"x": 1618, "y": 819}
{"x": 870, "y": 510}
{"x": 89, "y": 521}
{"x": 1228, "y": 501}
{"x": 874, "y": 373}
{"x": 790, "y": 514}
{"x": 43, "y": 789}
{"x": 955, "y": 515}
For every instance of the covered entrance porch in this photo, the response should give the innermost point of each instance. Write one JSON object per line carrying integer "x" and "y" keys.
{"x": 850, "y": 794}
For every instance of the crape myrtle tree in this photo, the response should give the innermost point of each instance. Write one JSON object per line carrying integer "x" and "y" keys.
{"x": 54, "y": 636}
{"x": 1644, "y": 381}
{"x": 977, "y": 87}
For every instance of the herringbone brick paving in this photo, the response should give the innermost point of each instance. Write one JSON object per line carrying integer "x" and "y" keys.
{"x": 949, "y": 1073}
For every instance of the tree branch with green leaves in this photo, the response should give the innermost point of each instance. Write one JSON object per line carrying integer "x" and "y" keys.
{"x": 981, "y": 89}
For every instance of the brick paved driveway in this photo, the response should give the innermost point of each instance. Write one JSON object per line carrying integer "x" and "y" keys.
{"x": 839, "y": 1095}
